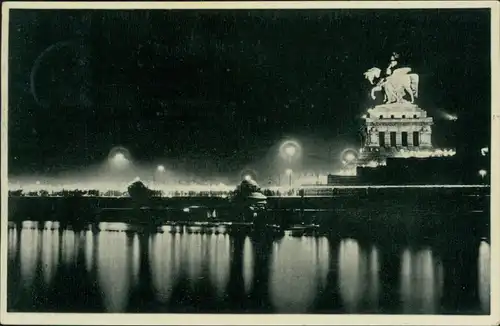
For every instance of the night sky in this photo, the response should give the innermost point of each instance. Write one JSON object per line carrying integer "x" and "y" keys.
{"x": 226, "y": 86}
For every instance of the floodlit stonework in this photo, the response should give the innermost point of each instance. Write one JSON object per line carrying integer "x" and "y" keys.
{"x": 398, "y": 127}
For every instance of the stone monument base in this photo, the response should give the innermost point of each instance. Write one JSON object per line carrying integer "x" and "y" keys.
{"x": 396, "y": 130}
{"x": 404, "y": 110}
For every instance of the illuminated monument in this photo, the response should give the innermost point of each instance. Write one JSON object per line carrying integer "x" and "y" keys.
{"x": 398, "y": 127}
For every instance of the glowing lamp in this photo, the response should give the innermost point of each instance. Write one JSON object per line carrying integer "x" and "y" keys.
{"x": 160, "y": 168}
{"x": 349, "y": 157}
{"x": 290, "y": 151}
{"x": 288, "y": 171}
{"x": 483, "y": 173}
{"x": 119, "y": 157}
{"x": 248, "y": 177}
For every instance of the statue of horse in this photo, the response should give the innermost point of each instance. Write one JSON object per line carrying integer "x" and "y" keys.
{"x": 395, "y": 86}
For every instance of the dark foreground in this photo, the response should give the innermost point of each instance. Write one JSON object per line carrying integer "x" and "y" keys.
{"x": 367, "y": 260}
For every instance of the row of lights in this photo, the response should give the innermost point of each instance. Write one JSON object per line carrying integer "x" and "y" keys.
{"x": 288, "y": 150}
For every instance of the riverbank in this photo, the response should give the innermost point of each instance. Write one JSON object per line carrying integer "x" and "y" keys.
{"x": 384, "y": 203}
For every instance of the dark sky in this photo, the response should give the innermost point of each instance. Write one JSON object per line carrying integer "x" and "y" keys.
{"x": 227, "y": 85}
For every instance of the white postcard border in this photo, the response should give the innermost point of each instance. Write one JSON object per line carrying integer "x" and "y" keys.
{"x": 212, "y": 319}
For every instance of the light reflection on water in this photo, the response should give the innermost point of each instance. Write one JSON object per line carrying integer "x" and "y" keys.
{"x": 69, "y": 247}
{"x": 353, "y": 272}
{"x": 50, "y": 254}
{"x": 358, "y": 277}
{"x": 193, "y": 251}
{"x": 89, "y": 250}
{"x": 421, "y": 281}
{"x": 133, "y": 259}
{"x": 219, "y": 261}
{"x": 248, "y": 265}
{"x": 113, "y": 272}
{"x": 28, "y": 253}
{"x": 163, "y": 265}
{"x": 373, "y": 278}
{"x": 12, "y": 244}
{"x": 484, "y": 275}
{"x": 297, "y": 269}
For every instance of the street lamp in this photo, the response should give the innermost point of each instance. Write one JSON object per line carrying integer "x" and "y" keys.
{"x": 483, "y": 173}
{"x": 119, "y": 157}
{"x": 289, "y": 150}
{"x": 119, "y": 160}
{"x": 289, "y": 172}
{"x": 349, "y": 157}
{"x": 159, "y": 169}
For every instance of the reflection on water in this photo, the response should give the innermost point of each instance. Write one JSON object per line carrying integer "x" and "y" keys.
{"x": 29, "y": 255}
{"x": 89, "y": 249}
{"x": 193, "y": 252}
{"x": 484, "y": 275}
{"x": 164, "y": 265}
{"x": 50, "y": 254}
{"x": 219, "y": 262}
{"x": 421, "y": 281}
{"x": 373, "y": 278}
{"x": 12, "y": 242}
{"x": 69, "y": 247}
{"x": 133, "y": 258}
{"x": 248, "y": 265}
{"x": 298, "y": 266}
{"x": 113, "y": 270}
{"x": 355, "y": 272}
{"x": 219, "y": 272}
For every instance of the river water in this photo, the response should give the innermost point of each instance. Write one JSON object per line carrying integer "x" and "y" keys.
{"x": 446, "y": 271}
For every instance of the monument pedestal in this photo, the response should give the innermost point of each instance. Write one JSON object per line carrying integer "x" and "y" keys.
{"x": 395, "y": 129}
